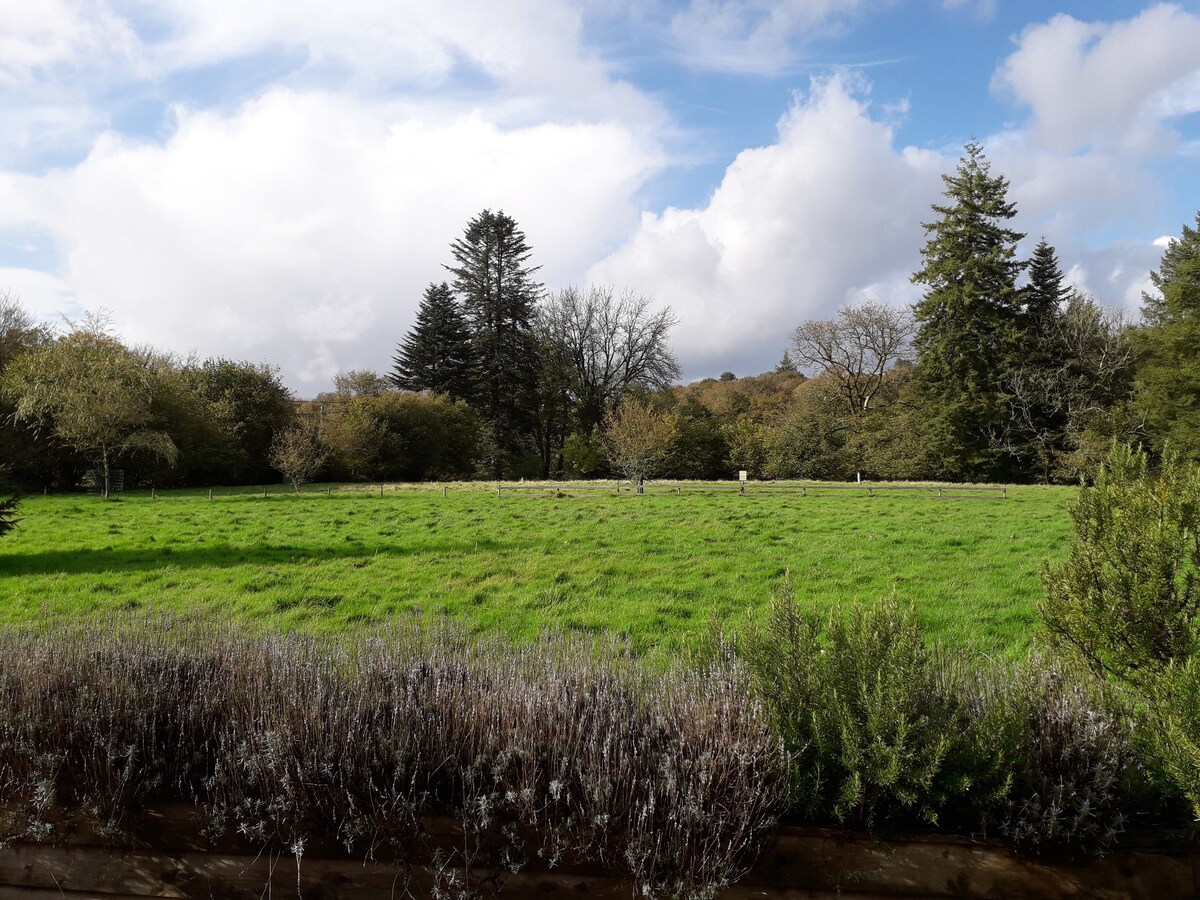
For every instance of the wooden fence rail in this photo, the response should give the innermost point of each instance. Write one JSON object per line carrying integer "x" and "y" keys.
{"x": 750, "y": 488}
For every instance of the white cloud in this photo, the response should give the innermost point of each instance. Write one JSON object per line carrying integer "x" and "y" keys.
{"x": 1115, "y": 85}
{"x": 304, "y": 228}
{"x": 757, "y": 36}
{"x": 37, "y": 36}
{"x": 831, "y": 211}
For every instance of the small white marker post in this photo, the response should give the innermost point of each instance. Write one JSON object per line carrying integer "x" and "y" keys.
{"x": 742, "y": 476}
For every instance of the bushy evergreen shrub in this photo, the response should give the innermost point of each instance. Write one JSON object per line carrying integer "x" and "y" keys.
{"x": 884, "y": 730}
{"x": 877, "y": 723}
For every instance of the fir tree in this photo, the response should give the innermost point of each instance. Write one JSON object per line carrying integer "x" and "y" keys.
{"x": 1168, "y": 378}
{"x": 493, "y": 277}
{"x": 786, "y": 366}
{"x": 968, "y": 320}
{"x": 1046, "y": 292}
{"x": 436, "y": 354}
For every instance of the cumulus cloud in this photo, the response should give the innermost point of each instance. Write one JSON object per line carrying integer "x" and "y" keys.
{"x": 1114, "y": 85}
{"x": 304, "y": 228}
{"x": 829, "y": 213}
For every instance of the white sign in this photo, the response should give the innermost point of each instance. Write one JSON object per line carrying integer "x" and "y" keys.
{"x": 742, "y": 475}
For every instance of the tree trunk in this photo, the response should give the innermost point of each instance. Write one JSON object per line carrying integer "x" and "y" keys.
{"x": 104, "y": 468}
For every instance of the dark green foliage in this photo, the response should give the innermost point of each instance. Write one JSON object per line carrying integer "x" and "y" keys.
{"x": 967, "y": 338}
{"x": 701, "y": 451}
{"x": 1126, "y": 600}
{"x": 248, "y": 402}
{"x": 8, "y": 515}
{"x": 493, "y": 277}
{"x": 785, "y": 366}
{"x": 1168, "y": 378}
{"x": 1046, "y": 292}
{"x": 435, "y": 356}
{"x": 402, "y": 436}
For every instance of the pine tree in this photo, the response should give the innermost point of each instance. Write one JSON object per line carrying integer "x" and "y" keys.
{"x": 1047, "y": 291}
{"x": 786, "y": 366}
{"x": 495, "y": 282}
{"x": 1039, "y": 421}
{"x": 968, "y": 320}
{"x": 1168, "y": 377}
{"x": 436, "y": 354}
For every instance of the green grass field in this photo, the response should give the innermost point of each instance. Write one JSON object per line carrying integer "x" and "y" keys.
{"x": 652, "y": 567}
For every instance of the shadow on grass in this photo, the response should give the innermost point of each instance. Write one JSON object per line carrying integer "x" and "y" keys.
{"x": 75, "y": 562}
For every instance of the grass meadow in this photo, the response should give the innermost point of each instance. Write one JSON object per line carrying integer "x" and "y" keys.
{"x": 656, "y": 568}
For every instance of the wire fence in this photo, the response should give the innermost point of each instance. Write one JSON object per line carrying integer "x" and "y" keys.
{"x": 620, "y": 488}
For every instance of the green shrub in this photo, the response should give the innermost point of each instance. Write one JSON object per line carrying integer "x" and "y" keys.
{"x": 877, "y": 724}
{"x": 883, "y": 729}
{"x": 1126, "y": 599}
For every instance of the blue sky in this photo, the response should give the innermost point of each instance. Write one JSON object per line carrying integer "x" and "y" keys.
{"x": 279, "y": 181}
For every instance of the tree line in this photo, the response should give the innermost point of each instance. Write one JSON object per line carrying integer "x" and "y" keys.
{"x": 1002, "y": 371}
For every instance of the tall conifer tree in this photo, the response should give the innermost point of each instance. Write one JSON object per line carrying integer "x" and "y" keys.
{"x": 436, "y": 354}
{"x": 968, "y": 320}
{"x": 1168, "y": 378}
{"x": 493, "y": 277}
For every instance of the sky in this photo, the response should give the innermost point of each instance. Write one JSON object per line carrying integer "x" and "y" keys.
{"x": 279, "y": 180}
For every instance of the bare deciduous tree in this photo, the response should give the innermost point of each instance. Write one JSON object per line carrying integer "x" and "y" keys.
{"x": 608, "y": 344}
{"x": 298, "y": 454}
{"x": 1051, "y": 407}
{"x": 857, "y": 348}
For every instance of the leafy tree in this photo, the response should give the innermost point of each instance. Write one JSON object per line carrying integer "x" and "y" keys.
{"x": 1127, "y": 598}
{"x": 298, "y": 454}
{"x": 360, "y": 383}
{"x": 91, "y": 393}
{"x": 967, "y": 338}
{"x": 33, "y": 459}
{"x": 1168, "y": 378}
{"x": 402, "y": 436}
{"x": 639, "y": 438}
{"x": 249, "y": 403}
{"x": 436, "y": 354}
{"x": 493, "y": 277}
